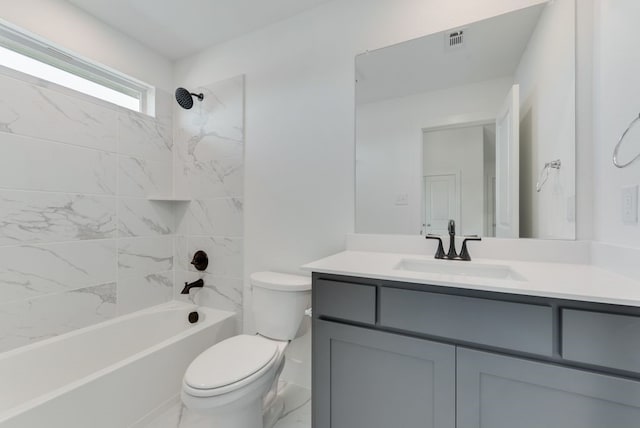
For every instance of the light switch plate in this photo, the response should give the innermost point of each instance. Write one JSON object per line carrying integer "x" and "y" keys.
{"x": 630, "y": 205}
{"x": 402, "y": 199}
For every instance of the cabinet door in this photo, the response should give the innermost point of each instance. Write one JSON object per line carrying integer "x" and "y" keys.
{"x": 370, "y": 379}
{"x": 496, "y": 391}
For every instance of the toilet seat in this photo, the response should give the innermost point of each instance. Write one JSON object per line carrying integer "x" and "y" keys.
{"x": 230, "y": 365}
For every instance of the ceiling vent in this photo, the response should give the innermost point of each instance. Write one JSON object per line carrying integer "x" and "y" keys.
{"x": 454, "y": 39}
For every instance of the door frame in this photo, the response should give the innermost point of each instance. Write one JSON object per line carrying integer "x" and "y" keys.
{"x": 508, "y": 224}
{"x": 490, "y": 214}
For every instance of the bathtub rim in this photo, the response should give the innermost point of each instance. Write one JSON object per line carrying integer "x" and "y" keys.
{"x": 220, "y": 316}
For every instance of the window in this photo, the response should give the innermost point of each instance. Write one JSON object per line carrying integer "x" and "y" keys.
{"x": 27, "y": 54}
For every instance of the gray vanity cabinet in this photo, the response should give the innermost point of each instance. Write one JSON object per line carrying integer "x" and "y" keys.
{"x": 497, "y": 391}
{"x": 371, "y": 379}
{"x": 391, "y": 354}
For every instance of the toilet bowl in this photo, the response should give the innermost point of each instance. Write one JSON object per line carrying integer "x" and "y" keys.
{"x": 235, "y": 381}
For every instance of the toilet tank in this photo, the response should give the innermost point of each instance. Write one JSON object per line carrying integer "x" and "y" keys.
{"x": 279, "y": 301}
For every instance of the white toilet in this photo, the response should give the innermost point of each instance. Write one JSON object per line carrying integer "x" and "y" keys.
{"x": 235, "y": 381}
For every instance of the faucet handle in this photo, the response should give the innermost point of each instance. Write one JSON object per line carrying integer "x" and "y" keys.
{"x": 440, "y": 250}
{"x": 464, "y": 253}
{"x": 200, "y": 260}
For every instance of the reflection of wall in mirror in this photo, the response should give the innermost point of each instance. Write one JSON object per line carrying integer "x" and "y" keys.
{"x": 389, "y": 149}
{"x": 546, "y": 75}
{"x": 460, "y": 149}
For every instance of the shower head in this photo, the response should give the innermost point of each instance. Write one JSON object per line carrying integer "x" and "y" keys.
{"x": 185, "y": 98}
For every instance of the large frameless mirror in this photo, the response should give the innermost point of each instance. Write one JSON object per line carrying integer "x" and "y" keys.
{"x": 474, "y": 124}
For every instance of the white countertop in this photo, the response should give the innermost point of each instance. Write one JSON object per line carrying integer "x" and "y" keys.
{"x": 557, "y": 280}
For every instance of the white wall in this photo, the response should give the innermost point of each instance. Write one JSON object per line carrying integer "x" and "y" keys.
{"x": 460, "y": 150}
{"x": 546, "y": 75}
{"x": 299, "y": 117}
{"x": 68, "y": 26}
{"x": 389, "y": 151}
{"x": 616, "y": 103}
{"x": 584, "y": 119}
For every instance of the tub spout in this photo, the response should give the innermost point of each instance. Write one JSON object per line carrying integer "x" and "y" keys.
{"x": 196, "y": 284}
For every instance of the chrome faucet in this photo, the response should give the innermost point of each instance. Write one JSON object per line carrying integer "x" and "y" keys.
{"x": 452, "y": 254}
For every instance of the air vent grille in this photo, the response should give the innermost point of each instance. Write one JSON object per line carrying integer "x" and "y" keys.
{"x": 454, "y": 39}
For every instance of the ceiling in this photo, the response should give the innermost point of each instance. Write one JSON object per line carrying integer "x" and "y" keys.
{"x": 492, "y": 49}
{"x": 179, "y": 28}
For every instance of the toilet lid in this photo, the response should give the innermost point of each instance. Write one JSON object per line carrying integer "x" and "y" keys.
{"x": 230, "y": 361}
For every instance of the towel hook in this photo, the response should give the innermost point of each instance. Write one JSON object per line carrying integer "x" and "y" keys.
{"x": 556, "y": 164}
{"x": 615, "y": 151}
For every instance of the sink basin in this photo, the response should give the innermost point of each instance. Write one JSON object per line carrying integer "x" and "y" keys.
{"x": 459, "y": 268}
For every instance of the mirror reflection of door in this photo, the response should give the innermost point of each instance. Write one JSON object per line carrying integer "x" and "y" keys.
{"x": 442, "y": 202}
{"x": 458, "y": 162}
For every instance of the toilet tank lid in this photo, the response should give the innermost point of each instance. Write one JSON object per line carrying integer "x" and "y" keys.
{"x": 281, "y": 281}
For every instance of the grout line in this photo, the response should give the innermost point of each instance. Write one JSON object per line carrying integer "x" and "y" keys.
{"x": 16, "y": 189}
{"x": 117, "y": 222}
{"x": 88, "y": 241}
{"x": 51, "y": 243}
{"x": 64, "y": 143}
{"x": 116, "y": 152}
{"x": 57, "y": 192}
{"x": 57, "y": 293}
{"x": 144, "y": 274}
{"x": 213, "y": 236}
{"x": 174, "y": 152}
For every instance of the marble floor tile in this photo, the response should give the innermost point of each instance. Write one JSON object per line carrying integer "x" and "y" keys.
{"x": 297, "y": 407}
{"x": 297, "y": 412}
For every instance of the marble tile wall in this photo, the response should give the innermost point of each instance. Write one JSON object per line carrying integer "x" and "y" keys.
{"x": 79, "y": 241}
{"x": 209, "y": 168}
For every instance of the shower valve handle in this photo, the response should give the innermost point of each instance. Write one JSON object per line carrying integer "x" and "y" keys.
{"x": 200, "y": 260}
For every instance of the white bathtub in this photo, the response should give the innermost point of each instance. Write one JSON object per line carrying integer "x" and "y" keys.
{"x": 110, "y": 375}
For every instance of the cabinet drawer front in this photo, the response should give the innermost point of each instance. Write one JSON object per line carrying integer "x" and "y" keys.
{"x": 344, "y": 300}
{"x": 516, "y": 326}
{"x": 602, "y": 339}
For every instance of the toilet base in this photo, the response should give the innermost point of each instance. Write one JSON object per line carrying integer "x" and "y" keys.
{"x": 249, "y": 417}
{"x": 273, "y": 412}
{"x": 253, "y": 416}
